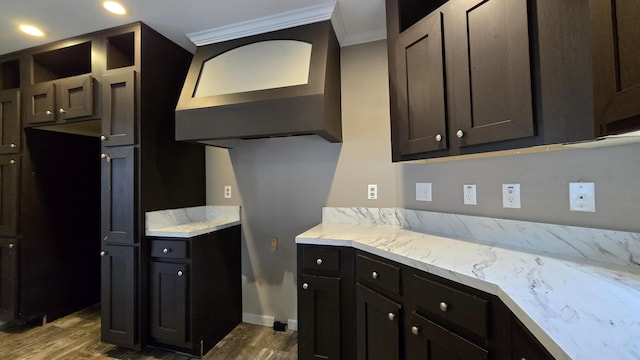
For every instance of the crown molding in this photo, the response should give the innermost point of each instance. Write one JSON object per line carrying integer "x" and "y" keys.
{"x": 265, "y": 24}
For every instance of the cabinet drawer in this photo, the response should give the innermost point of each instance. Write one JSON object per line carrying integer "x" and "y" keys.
{"x": 377, "y": 273}
{"x": 169, "y": 248}
{"x": 324, "y": 259}
{"x": 463, "y": 309}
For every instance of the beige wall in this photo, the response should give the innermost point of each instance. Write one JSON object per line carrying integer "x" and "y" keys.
{"x": 282, "y": 183}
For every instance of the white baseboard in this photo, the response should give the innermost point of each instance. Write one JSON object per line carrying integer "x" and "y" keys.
{"x": 264, "y": 320}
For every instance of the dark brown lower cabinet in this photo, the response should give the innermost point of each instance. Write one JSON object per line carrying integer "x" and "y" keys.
{"x": 8, "y": 279}
{"x": 120, "y": 295}
{"x": 378, "y": 325}
{"x": 428, "y": 340}
{"x": 319, "y": 309}
{"x": 524, "y": 345}
{"x": 195, "y": 294}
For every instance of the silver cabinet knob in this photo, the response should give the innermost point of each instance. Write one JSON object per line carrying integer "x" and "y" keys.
{"x": 103, "y": 138}
{"x": 305, "y": 286}
{"x": 460, "y": 133}
{"x": 438, "y": 137}
{"x": 13, "y": 146}
{"x": 179, "y": 272}
{"x": 105, "y": 156}
{"x": 374, "y": 275}
{"x": 443, "y": 306}
{"x": 12, "y": 162}
{"x": 319, "y": 261}
{"x": 103, "y": 253}
{"x": 391, "y": 316}
{"x": 165, "y": 251}
{"x": 48, "y": 112}
{"x": 62, "y": 111}
{"x": 11, "y": 246}
{"x": 415, "y": 330}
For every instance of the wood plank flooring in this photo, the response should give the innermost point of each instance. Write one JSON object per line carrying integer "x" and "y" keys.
{"x": 77, "y": 336}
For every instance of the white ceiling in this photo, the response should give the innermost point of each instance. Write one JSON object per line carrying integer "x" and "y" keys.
{"x": 355, "y": 21}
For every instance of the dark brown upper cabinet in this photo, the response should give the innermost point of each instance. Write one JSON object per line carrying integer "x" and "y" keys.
{"x": 60, "y": 100}
{"x": 514, "y": 74}
{"x": 616, "y": 63}
{"x": 491, "y": 71}
{"x": 9, "y": 121}
{"x": 421, "y": 81}
{"x": 119, "y": 107}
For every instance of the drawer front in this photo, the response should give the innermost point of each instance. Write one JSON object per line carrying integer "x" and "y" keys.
{"x": 169, "y": 249}
{"x": 463, "y": 309}
{"x": 325, "y": 259}
{"x": 377, "y": 273}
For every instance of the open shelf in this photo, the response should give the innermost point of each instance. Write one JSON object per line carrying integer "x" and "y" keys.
{"x": 411, "y": 11}
{"x": 120, "y": 51}
{"x": 61, "y": 63}
{"x": 10, "y": 74}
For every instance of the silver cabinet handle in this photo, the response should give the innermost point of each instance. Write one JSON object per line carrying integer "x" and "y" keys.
{"x": 103, "y": 138}
{"x": 13, "y": 146}
{"x": 179, "y": 272}
{"x": 443, "y": 306}
{"x": 460, "y": 133}
{"x": 165, "y": 251}
{"x": 319, "y": 261}
{"x": 374, "y": 275}
{"x": 415, "y": 330}
{"x": 391, "y": 316}
{"x": 438, "y": 137}
{"x": 305, "y": 286}
{"x": 62, "y": 111}
{"x": 103, "y": 253}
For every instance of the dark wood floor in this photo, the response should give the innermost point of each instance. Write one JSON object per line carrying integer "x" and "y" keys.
{"x": 77, "y": 336}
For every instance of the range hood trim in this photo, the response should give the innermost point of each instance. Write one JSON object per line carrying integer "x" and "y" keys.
{"x": 270, "y": 112}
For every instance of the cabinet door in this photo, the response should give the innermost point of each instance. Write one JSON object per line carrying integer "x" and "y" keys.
{"x": 319, "y": 313}
{"x": 119, "y": 107}
{"x": 491, "y": 70}
{"x": 9, "y": 121}
{"x": 616, "y": 62}
{"x": 8, "y": 279}
{"x": 75, "y": 97}
{"x": 169, "y": 302}
{"x": 119, "y": 298}
{"x": 119, "y": 195}
{"x": 524, "y": 345}
{"x": 9, "y": 173}
{"x": 427, "y": 340}
{"x": 421, "y": 90}
{"x": 377, "y": 326}
{"x": 40, "y": 103}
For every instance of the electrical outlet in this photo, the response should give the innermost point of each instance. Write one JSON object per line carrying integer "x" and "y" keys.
{"x": 423, "y": 191}
{"x": 582, "y": 196}
{"x": 227, "y": 191}
{"x": 274, "y": 244}
{"x": 511, "y": 196}
{"x": 372, "y": 191}
{"x": 469, "y": 193}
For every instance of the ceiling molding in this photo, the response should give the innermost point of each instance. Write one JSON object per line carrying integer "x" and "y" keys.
{"x": 361, "y": 38}
{"x": 262, "y": 25}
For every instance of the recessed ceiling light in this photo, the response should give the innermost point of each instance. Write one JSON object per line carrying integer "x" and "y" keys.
{"x": 114, "y": 7}
{"x": 31, "y": 30}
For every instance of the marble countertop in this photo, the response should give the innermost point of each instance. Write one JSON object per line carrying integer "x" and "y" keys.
{"x": 190, "y": 222}
{"x": 575, "y": 309}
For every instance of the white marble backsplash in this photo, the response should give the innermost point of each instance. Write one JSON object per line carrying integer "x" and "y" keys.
{"x": 617, "y": 248}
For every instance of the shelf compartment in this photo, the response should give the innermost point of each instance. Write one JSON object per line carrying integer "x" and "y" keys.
{"x": 62, "y": 63}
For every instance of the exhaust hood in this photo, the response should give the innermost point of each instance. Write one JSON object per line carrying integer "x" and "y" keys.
{"x": 281, "y": 83}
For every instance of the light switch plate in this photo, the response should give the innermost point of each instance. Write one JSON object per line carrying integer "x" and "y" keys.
{"x": 511, "y": 196}
{"x": 423, "y": 191}
{"x": 582, "y": 196}
{"x": 469, "y": 193}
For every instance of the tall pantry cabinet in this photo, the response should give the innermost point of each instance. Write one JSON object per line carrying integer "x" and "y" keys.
{"x": 143, "y": 169}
